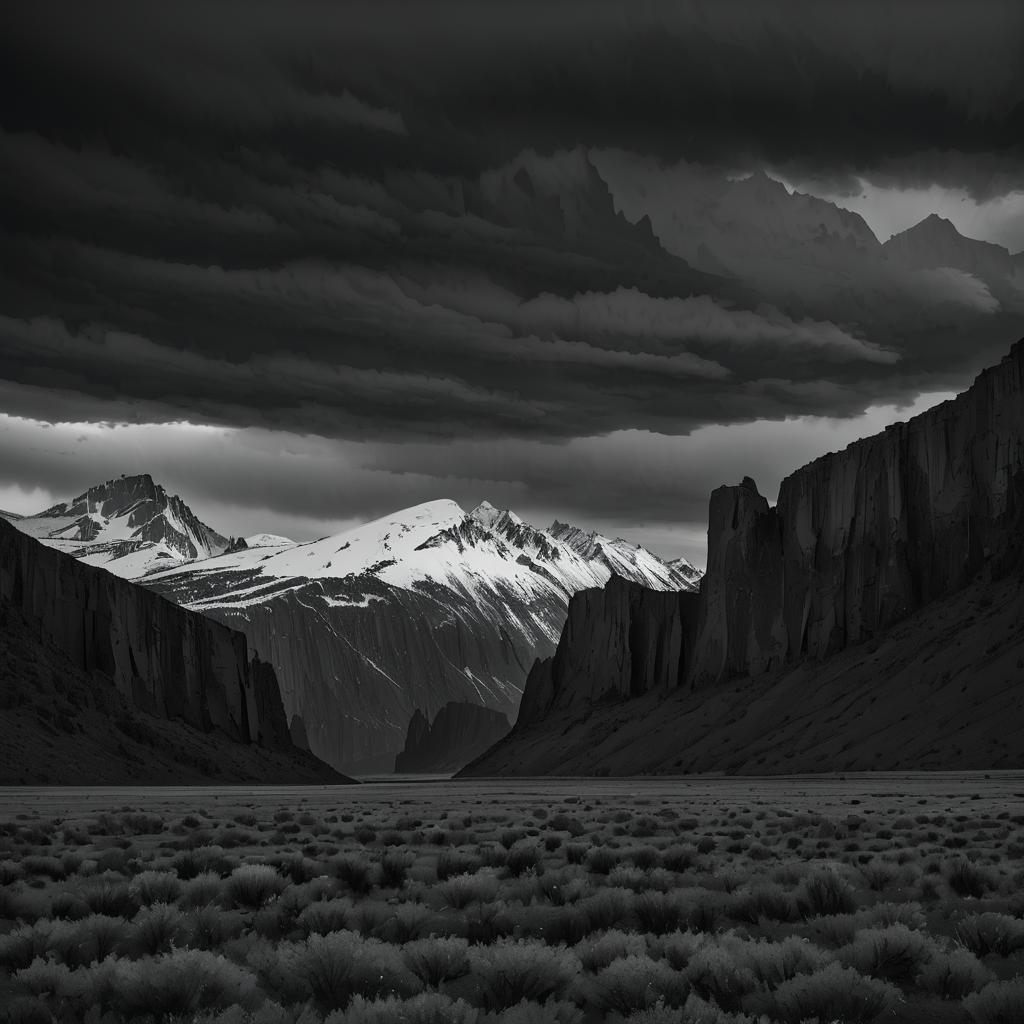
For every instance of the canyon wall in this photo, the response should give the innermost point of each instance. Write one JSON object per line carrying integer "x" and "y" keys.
{"x": 619, "y": 641}
{"x": 166, "y": 661}
{"x": 861, "y": 538}
{"x": 460, "y": 732}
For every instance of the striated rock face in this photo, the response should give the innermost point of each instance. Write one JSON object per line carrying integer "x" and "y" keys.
{"x": 883, "y": 589}
{"x": 619, "y": 641}
{"x": 164, "y": 660}
{"x": 861, "y": 538}
{"x": 460, "y": 732}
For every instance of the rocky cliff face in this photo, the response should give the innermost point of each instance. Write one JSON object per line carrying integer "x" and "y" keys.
{"x": 460, "y": 732}
{"x": 162, "y": 659}
{"x": 861, "y": 538}
{"x": 884, "y": 588}
{"x": 129, "y": 525}
{"x": 619, "y": 641}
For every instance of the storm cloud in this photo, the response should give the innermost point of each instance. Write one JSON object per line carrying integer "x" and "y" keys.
{"x": 385, "y": 225}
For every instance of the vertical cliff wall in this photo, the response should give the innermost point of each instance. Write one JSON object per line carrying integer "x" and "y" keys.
{"x": 460, "y": 732}
{"x": 619, "y": 641}
{"x": 165, "y": 660}
{"x": 861, "y": 538}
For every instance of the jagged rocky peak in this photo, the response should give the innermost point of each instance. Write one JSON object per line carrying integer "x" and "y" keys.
{"x": 128, "y": 524}
{"x": 460, "y": 732}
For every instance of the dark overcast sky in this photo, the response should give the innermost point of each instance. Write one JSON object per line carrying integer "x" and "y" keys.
{"x": 321, "y": 260}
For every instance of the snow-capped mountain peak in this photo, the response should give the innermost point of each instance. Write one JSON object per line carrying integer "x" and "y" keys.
{"x": 130, "y": 525}
{"x": 491, "y": 518}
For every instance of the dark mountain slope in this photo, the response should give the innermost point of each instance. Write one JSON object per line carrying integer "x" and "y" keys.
{"x": 84, "y": 650}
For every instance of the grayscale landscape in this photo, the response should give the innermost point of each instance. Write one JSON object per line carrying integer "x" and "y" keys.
{"x": 512, "y": 513}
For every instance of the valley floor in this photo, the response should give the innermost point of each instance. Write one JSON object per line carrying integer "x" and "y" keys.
{"x": 707, "y": 900}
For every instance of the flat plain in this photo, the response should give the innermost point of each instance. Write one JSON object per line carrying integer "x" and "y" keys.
{"x": 706, "y": 900}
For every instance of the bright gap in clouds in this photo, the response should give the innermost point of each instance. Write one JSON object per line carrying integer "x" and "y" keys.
{"x": 888, "y": 211}
{"x": 649, "y": 488}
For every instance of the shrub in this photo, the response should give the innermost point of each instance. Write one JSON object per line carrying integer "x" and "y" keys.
{"x": 634, "y": 983}
{"x": 597, "y": 952}
{"x": 333, "y": 968}
{"x": 149, "y": 887}
{"x": 999, "y": 1002}
{"x": 991, "y": 933}
{"x": 565, "y": 823}
{"x": 460, "y": 891}
{"x": 522, "y": 859}
{"x": 437, "y": 960}
{"x": 601, "y": 860}
{"x": 210, "y": 927}
{"x": 426, "y": 1008}
{"x": 69, "y": 906}
{"x": 660, "y": 913}
{"x": 486, "y": 922}
{"x": 768, "y": 902}
{"x": 44, "y": 977}
{"x": 607, "y": 908}
{"x": 112, "y": 899}
{"x": 155, "y": 929}
{"x": 354, "y": 872}
{"x": 10, "y": 872}
{"x": 202, "y": 889}
{"x": 512, "y": 970}
{"x": 326, "y": 916}
{"x": 402, "y": 924}
{"x": 253, "y": 885}
{"x": 896, "y": 953}
{"x": 717, "y": 973}
{"x": 967, "y": 879}
{"x": 554, "y": 1011}
{"x": 20, "y": 947}
{"x": 833, "y": 993}
{"x": 953, "y": 974}
{"x": 394, "y": 867}
{"x": 94, "y": 938}
{"x": 825, "y": 893}
{"x": 453, "y": 862}
{"x": 179, "y": 982}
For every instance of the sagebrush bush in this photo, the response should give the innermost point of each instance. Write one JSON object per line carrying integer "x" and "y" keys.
{"x": 180, "y": 982}
{"x": 598, "y": 951}
{"x": 512, "y": 970}
{"x": 149, "y": 887}
{"x": 326, "y": 916}
{"x": 991, "y": 933}
{"x": 202, "y": 889}
{"x": 437, "y": 960}
{"x": 253, "y": 886}
{"x": 426, "y": 1008}
{"x": 999, "y": 1002}
{"x": 554, "y": 1011}
{"x": 633, "y": 983}
{"x": 894, "y": 953}
{"x": 155, "y": 929}
{"x": 968, "y": 879}
{"x": 354, "y": 871}
{"x": 825, "y": 893}
{"x": 953, "y": 974}
{"x": 333, "y": 968}
{"x": 833, "y": 993}
{"x": 209, "y": 927}
{"x": 459, "y": 891}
